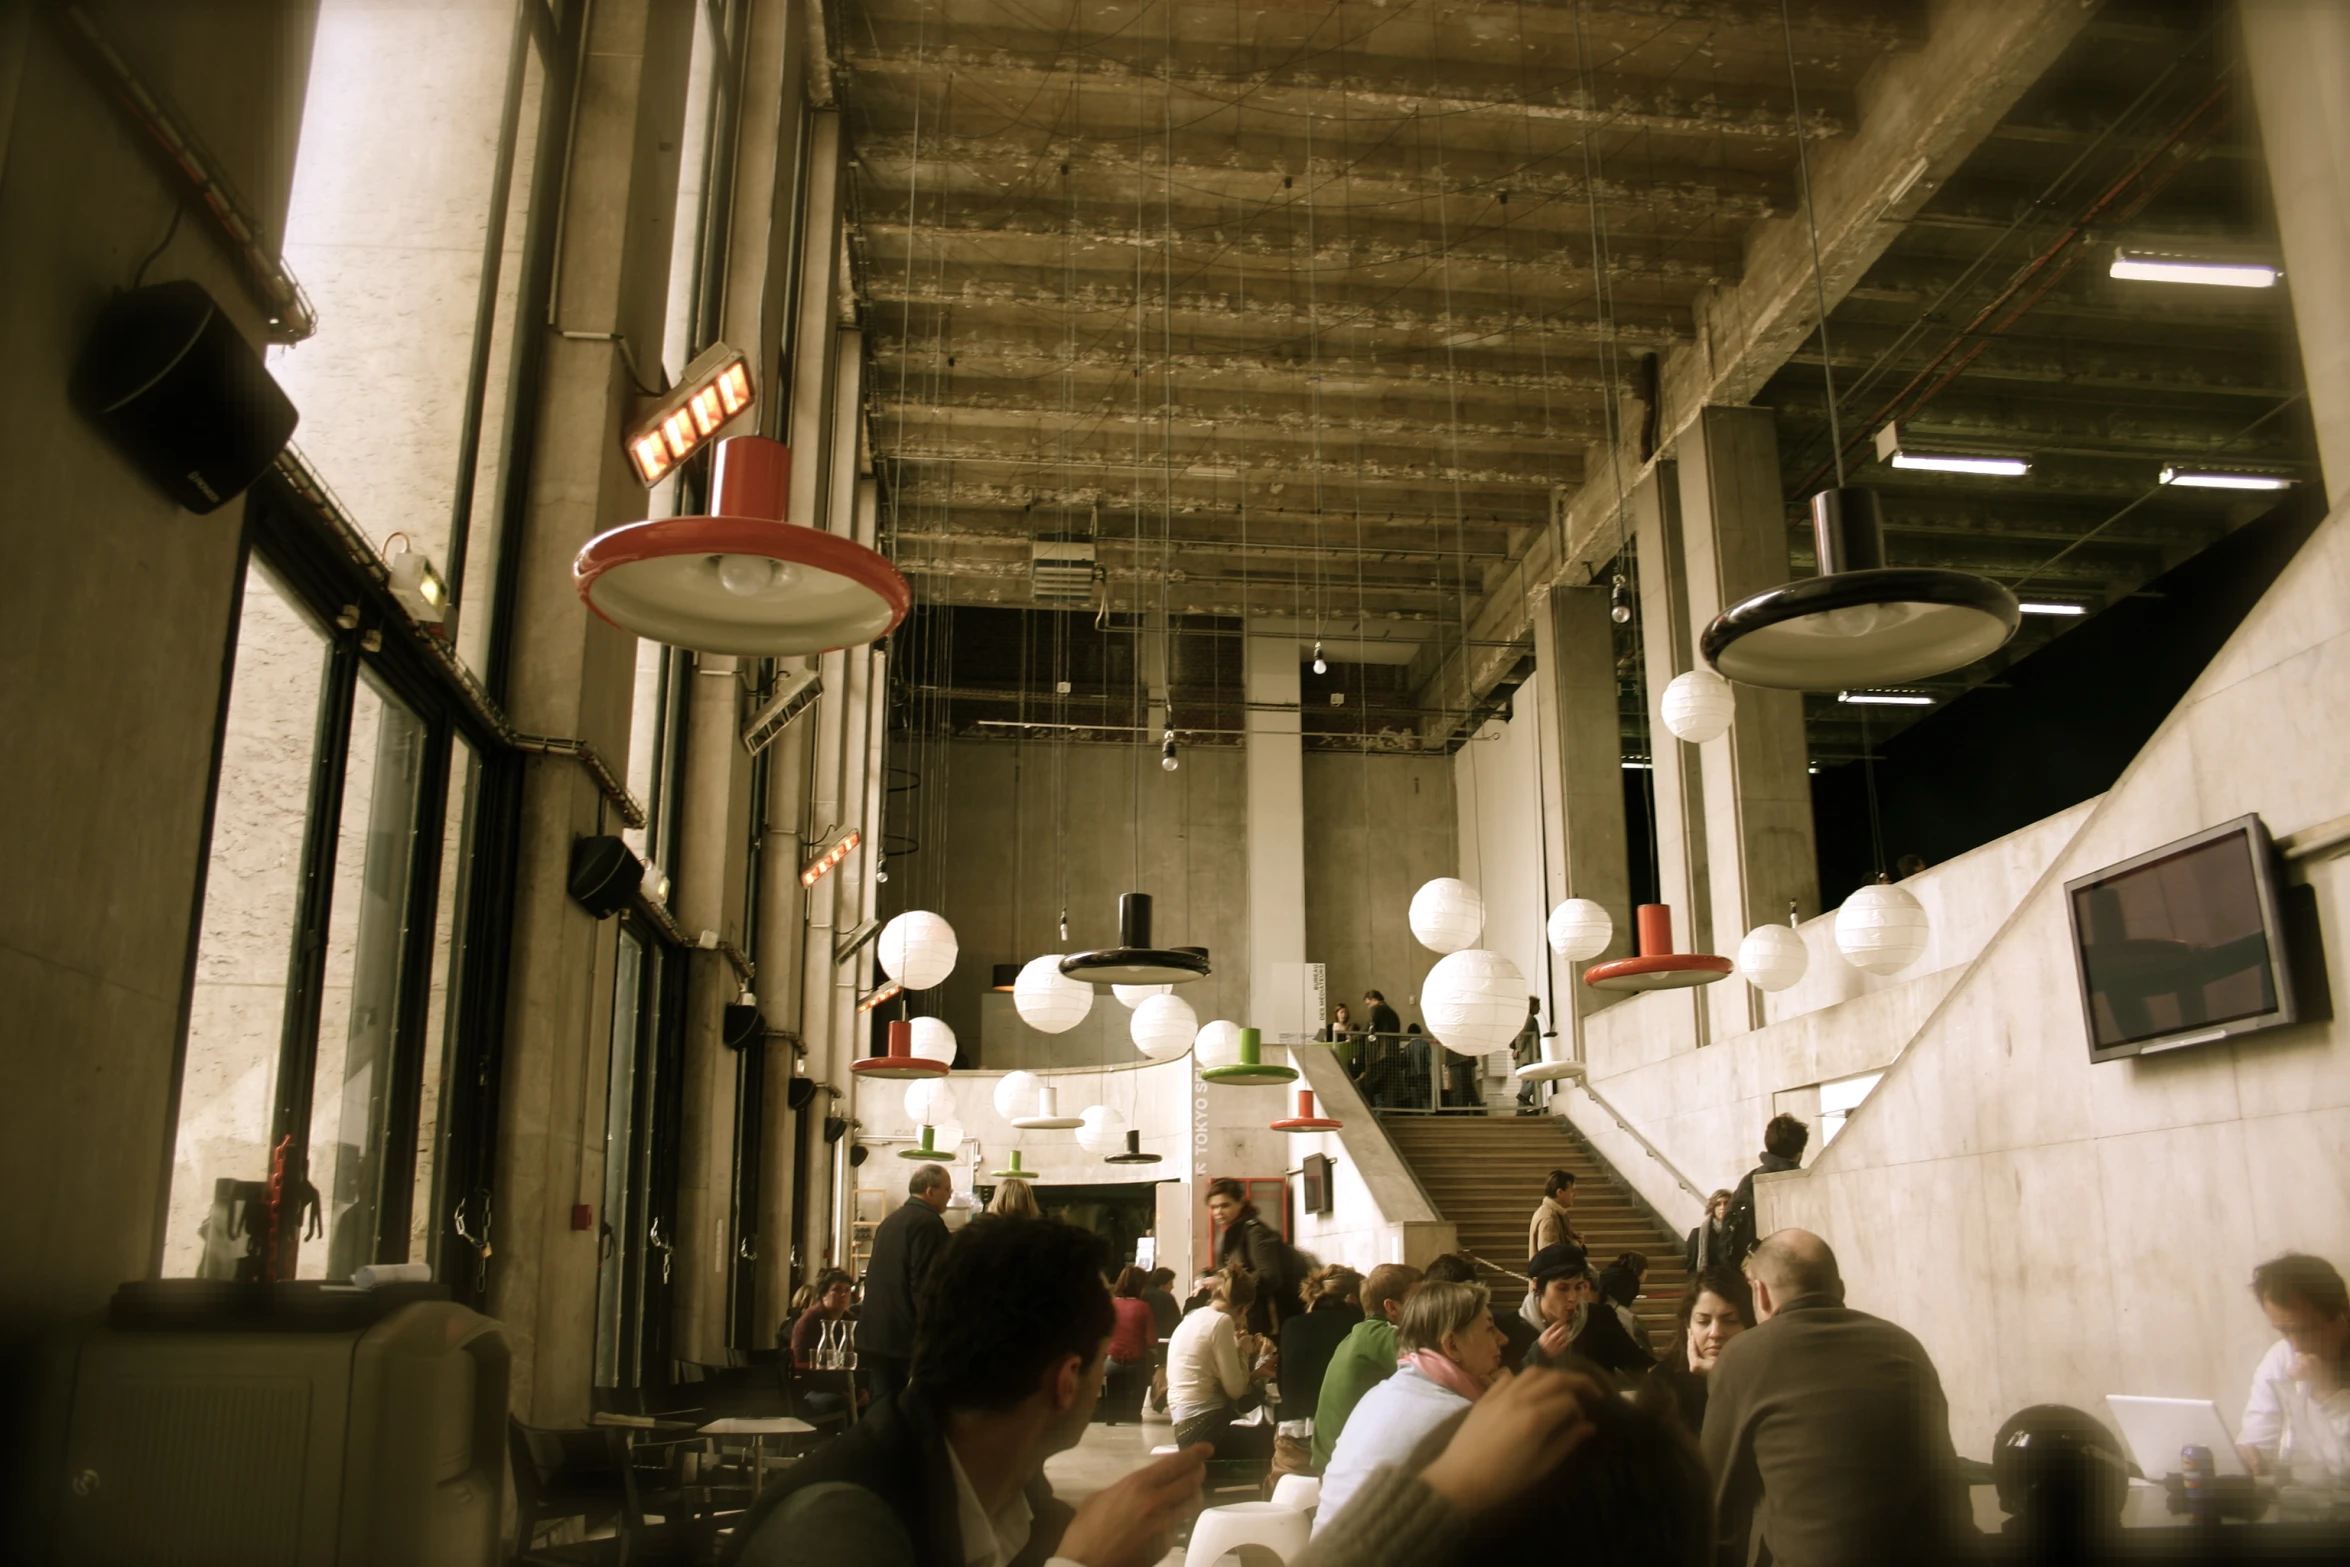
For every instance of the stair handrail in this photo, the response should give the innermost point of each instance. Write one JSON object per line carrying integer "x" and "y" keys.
{"x": 1641, "y": 1138}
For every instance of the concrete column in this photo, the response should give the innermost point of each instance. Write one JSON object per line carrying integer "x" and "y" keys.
{"x": 1758, "y": 826}
{"x": 818, "y": 311}
{"x": 573, "y": 675}
{"x": 1677, "y": 787}
{"x": 2297, "y": 53}
{"x": 1582, "y": 762}
{"x": 781, "y": 951}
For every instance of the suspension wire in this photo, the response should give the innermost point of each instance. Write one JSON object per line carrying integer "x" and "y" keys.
{"x": 1811, "y": 223}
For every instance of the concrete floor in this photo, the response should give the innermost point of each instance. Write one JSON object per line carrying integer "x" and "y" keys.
{"x": 1108, "y": 1454}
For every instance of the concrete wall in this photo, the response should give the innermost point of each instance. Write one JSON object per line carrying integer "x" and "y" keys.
{"x": 112, "y": 649}
{"x": 1376, "y": 827}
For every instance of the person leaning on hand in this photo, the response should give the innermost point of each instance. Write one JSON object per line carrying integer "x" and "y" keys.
{"x": 2298, "y": 1415}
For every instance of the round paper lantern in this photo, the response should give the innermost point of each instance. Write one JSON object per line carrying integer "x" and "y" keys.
{"x": 1697, "y": 706}
{"x": 1474, "y": 1002}
{"x": 1135, "y": 995}
{"x": 917, "y": 949}
{"x": 933, "y": 1040}
{"x": 1773, "y": 957}
{"x": 1447, "y": 914}
{"x": 1163, "y": 1027}
{"x": 1218, "y": 1044}
{"x": 1102, "y": 1132}
{"x": 947, "y": 1138}
{"x": 1581, "y": 928}
{"x": 1016, "y": 1094}
{"x": 929, "y": 1101}
{"x": 1048, "y": 1000}
{"x": 1881, "y": 929}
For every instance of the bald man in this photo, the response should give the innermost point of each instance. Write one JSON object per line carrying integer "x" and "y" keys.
{"x": 1826, "y": 1429}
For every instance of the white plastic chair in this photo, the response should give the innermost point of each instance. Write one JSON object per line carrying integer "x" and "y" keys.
{"x": 1303, "y": 1492}
{"x": 1258, "y": 1534}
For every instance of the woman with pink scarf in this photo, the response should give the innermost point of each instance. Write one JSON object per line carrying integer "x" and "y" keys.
{"x": 1448, "y": 1351}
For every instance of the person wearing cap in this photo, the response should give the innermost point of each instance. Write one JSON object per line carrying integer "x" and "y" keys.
{"x": 1564, "y": 1306}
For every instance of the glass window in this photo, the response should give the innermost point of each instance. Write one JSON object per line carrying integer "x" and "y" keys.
{"x": 252, "y": 904}
{"x": 360, "y": 1000}
{"x": 619, "y": 1218}
{"x": 440, "y": 1010}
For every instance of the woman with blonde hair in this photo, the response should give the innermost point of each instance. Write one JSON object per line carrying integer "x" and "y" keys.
{"x": 1015, "y": 1199}
{"x": 1448, "y": 1352}
{"x": 1208, "y": 1376}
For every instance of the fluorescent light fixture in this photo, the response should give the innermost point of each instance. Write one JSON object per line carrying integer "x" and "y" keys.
{"x": 2030, "y": 608}
{"x": 419, "y": 588}
{"x": 835, "y": 852}
{"x": 1885, "y": 698}
{"x": 1999, "y": 467}
{"x": 1637, "y": 767}
{"x": 2210, "y": 479}
{"x": 2144, "y": 266}
{"x": 713, "y": 389}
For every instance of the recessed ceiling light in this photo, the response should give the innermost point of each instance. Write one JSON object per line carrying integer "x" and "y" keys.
{"x": 2030, "y": 608}
{"x": 2143, "y": 266}
{"x": 2209, "y": 479}
{"x": 1885, "y": 698}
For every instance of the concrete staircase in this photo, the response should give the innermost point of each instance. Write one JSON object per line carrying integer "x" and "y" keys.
{"x": 1485, "y": 1174}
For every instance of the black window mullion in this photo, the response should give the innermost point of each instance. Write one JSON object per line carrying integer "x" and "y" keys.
{"x": 403, "y": 1107}
{"x": 467, "y": 1169}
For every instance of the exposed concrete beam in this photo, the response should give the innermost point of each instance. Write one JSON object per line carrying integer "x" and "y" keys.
{"x": 1288, "y": 516}
{"x": 1480, "y": 547}
{"x": 1349, "y": 415}
{"x": 1249, "y": 462}
{"x": 1192, "y": 435}
{"x": 1922, "y": 113}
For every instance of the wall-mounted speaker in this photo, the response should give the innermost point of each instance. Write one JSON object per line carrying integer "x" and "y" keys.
{"x": 604, "y": 875}
{"x": 834, "y": 1126}
{"x": 178, "y": 390}
{"x": 858, "y": 1154}
{"x": 802, "y": 1090}
{"x": 741, "y": 1027}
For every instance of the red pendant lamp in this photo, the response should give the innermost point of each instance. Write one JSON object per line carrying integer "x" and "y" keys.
{"x": 1658, "y": 967}
{"x": 898, "y": 1058}
{"x": 743, "y": 580}
{"x": 1306, "y": 1120}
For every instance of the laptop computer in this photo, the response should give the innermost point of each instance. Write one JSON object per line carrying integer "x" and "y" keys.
{"x": 2157, "y": 1428}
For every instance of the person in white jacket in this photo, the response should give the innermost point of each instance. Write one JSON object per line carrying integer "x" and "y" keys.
{"x": 1448, "y": 1352}
{"x": 2297, "y": 1417}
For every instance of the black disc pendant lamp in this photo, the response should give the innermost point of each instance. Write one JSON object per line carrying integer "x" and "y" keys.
{"x": 1859, "y": 622}
{"x": 1134, "y": 961}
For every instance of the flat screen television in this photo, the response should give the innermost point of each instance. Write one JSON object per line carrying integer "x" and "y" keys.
{"x": 2182, "y": 945}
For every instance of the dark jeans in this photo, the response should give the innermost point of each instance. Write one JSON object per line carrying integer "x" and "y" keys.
{"x": 1123, "y": 1390}
{"x": 1230, "y": 1441}
{"x": 884, "y": 1374}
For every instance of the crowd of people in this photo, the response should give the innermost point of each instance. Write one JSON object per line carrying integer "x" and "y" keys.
{"x": 1779, "y": 1424}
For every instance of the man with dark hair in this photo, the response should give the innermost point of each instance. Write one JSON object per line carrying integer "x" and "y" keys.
{"x": 1550, "y": 1226}
{"x": 1783, "y": 1141}
{"x": 1826, "y": 1429}
{"x": 2299, "y": 1409}
{"x": 904, "y": 1246}
{"x": 1247, "y": 1242}
{"x": 949, "y": 1472}
{"x": 1166, "y": 1310}
{"x": 1381, "y": 1050}
{"x": 1365, "y": 1357}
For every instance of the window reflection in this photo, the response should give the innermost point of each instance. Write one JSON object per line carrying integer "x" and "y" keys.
{"x": 440, "y": 1016}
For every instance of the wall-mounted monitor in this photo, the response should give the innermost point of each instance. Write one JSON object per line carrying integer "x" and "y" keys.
{"x": 2182, "y": 945}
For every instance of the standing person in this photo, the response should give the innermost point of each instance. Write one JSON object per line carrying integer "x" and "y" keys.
{"x": 1340, "y": 1031}
{"x": 1708, "y": 1246}
{"x": 2298, "y": 1415}
{"x": 1015, "y": 1199}
{"x": 1365, "y": 1357}
{"x": 1134, "y": 1344}
{"x": 1248, "y": 1242}
{"x": 1619, "y": 1286}
{"x": 904, "y": 1246}
{"x": 1448, "y": 1353}
{"x": 1575, "y": 1322}
{"x": 1419, "y": 1087}
{"x": 1382, "y": 1053}
{"x": 1716, "y": 1308}
{"x": 1550, "y": 1225}
{"x": 1209, "y": 1378}
{"x": 1826, "y": 1428}
{"x": 1525, "y": 1050}
{"x": 949, "y": 1472}
{"x": 1783, "y": 1141}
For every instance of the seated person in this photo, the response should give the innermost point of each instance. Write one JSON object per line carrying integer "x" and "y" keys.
{"x": 834, "y": 1293}
{"x": 1011, "y": 1342}
{"x": 1448, "y": 1353}
{"x": 1209, "y": 1380}
{"x": 1545, "y": 1468}
{"x": 1716, "y": 1308}
{"x": 1518, "y": 1331}
{"x": 2297, "y": 1419}
{"x": 1309, "y": 1339}
{"x": 1574, "y": 1322}
{"x": 1619, "y": 1286}
{"x": 1364, "y": 1358}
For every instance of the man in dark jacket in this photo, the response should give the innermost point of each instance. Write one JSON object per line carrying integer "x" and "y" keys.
{"x": 1783, "y": 1141}
{"x": 949, "y": 1472}
{"x": 1826, "y": 1429}
{"x": 904, "y": 1246}
{"x": 1381, "y": 1050}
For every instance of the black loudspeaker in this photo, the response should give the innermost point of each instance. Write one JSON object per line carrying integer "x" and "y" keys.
{"x": 802, "y": 1090}
{"x": 604, "y": 875}
{"x": 178, "y": 390}
{"x": 858, "y": 1154}
{"x": 834, "y": 1126}
{"x": 741, "y": 1028}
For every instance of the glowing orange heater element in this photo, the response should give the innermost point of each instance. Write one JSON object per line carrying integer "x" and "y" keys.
{"x": 713, "y": 389}
{"x": 816, "y": 869}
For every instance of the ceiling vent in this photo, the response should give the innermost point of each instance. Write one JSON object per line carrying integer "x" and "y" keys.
{"x": 1061, "y": 569}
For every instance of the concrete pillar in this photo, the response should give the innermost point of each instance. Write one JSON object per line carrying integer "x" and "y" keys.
{"x": 780, "y": 955}
{"x": 1582, "y": 762}
{"x": 1757, "y": 794}
{"x": 2297, "y": 53}
{"x": 1677, "y": 787}
{"x": 572, "y": 675}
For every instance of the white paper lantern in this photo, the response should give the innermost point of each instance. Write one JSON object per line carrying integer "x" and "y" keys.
{"x": 1447, "y": 914}
{"x": 1016, "y": 1094}
{"x": 1697, "y": 706}
{"x": 1218, "y": 1044}
{"x": 1163, "y": 1027}
{"x": 917, "y": 949}
{"x": 1581, "y": 928}
{"x": 946, "y": 1137}
{"x": 1881, "y": 929}
{"x": 1135, "y": 995}
{"x": 1048, "y": 1000}
{"x": 1103, "y": 1132}
{"x": 929, "y": 1101}
{"x": 933, "y": 1040}
{"x": 1773, "y": 957}
{"x": 1474, "y": 1002}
